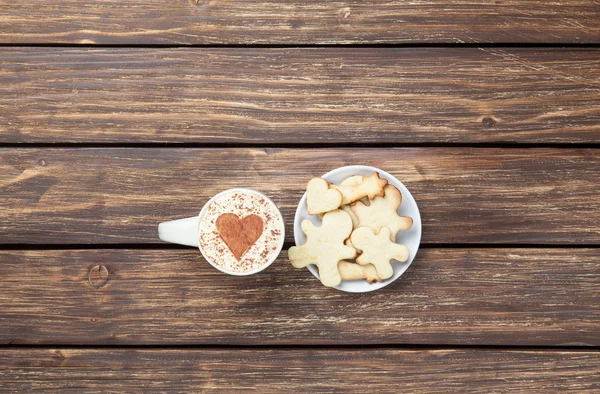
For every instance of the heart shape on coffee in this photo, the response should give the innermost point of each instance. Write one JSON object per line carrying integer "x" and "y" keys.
{"x": 239, "y": 234}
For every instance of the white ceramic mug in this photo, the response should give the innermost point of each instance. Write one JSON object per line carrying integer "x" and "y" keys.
{"x": 187, "y": 232}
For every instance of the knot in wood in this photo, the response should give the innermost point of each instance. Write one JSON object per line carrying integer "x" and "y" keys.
{"x": 488, "y": 122}
{"x": 98, "y": 276}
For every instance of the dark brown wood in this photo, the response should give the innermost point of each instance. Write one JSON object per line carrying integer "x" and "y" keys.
{"x": 298, "y": 370}
{"x": 164, "y": 297}
{"x": 299, "y": 22}
{"x": 99, "y": 196}
{"x": 310, "y": 95}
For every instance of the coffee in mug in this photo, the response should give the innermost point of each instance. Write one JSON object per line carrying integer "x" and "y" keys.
{"x": 240, "y": 231}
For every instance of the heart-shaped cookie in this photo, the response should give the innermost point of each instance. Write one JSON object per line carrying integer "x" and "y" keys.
{"x": 239, "y": 234}
{"x": 320, "y": 198}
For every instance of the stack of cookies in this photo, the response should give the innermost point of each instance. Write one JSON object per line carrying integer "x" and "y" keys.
{"x": 360, "y": 221}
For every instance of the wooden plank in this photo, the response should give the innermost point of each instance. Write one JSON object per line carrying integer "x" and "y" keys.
{"x": 164, "y": 297}
{"x": 118, "y": 195}
{"x": 326, "y": 95}
{"x": 298, "y": 370}
{"x": 299, "y": 22}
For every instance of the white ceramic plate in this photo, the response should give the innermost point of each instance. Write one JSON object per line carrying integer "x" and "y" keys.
{"x": 410, "y": 238}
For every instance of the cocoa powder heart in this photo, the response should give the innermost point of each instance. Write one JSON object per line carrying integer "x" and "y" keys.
{"x": 239, "y": 234}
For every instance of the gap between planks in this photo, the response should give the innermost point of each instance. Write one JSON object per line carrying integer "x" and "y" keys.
{"x": 377, "y": 346}
{"x": 294, "y": 46}
{"x": 267, "y": 145}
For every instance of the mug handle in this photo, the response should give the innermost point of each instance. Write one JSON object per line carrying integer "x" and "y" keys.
{"x": 181, "y": 231}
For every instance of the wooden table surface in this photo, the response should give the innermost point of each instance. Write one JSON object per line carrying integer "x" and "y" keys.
{"x": 117, "y": 115}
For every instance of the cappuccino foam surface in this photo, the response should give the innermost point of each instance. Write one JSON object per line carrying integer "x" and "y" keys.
{"x": 241, "y": 203}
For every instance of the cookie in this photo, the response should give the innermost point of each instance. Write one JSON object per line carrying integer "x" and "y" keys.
{"x": 352, "y": 271}
{"x": 377, "y": 249}
{"x": 348, "y": 242}
{"x": 369, "y": 187}
{"x": 350, "y": 181}
{"x": 320, "y": 197}
{"x": 353, "y": 181}
{"x": 349, "y": 211}
{"x": 383, "y": 211}
{"x": 324, "y": 246}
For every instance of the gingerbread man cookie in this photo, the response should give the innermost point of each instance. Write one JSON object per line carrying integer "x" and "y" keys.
{"x": 324, "y": 246}
{"x": 377, "y": 249}
{"x": 383, "y": 211}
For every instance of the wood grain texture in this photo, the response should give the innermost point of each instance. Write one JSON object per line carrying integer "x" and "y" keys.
{"x": 119, "y": 195}
{"x": 298, "y": 370}
{"x": 324, "y": 95}
{"x": 299, "y": 21}
{"x": 164, "y": 297}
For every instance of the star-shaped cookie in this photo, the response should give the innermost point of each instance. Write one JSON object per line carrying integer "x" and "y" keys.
{"x": 356, "y": 189}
